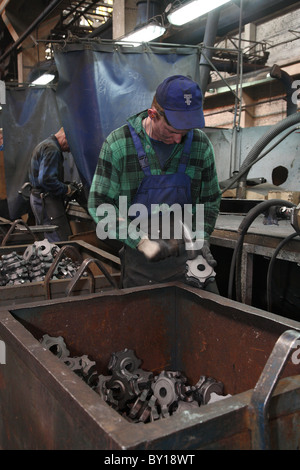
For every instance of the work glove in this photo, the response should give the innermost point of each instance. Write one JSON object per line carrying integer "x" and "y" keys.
{"x": 157, "y": 250}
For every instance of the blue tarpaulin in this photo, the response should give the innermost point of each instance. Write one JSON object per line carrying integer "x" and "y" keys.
{"x": 29, "y": 116}
{"x": 101, "y": 85}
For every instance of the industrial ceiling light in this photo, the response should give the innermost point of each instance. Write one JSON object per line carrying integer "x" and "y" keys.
{"x": 44, "y": 79}
{"x": 192, "y": 10}
{"x": 147, "y": 33}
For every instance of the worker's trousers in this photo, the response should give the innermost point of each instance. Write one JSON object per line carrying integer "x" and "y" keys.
{"x": 51, "y": 211}
{"x": 138, "y": 271}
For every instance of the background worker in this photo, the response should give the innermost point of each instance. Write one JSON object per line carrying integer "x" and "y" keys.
{"x": 140, "y": 159}
{"x": 48, "y": 193}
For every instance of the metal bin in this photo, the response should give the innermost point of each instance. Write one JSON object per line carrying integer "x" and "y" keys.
{"x": 45, "y": 405}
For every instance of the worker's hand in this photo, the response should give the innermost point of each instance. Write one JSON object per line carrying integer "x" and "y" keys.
{"x": 194, "y": 251}
{"x": 206, "y": 253}
{"x": 159, "y": 249}
{"x": 72, "y": 189}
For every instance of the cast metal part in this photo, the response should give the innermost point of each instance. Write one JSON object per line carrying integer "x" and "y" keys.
{"x": 121, "y": 388}
{"x": 143, "y": 397}
{"x": 205, "y": 387}
{"x": 165, "y": 391}
{"x": 56, "y": 345}
{"x": 123, "y": 361}
{"x": 74, "y": 363}
{"x": 39, "y": 249}
{"x": 127, "y": 380}
{"x": 13, "y": 269}
{"x": 140, "y": 409}
{"x": 199, "y": 272}
{"x": 82, "y": 365}
{"x": 134, "y": 392}
{"x": 101, "y": 387}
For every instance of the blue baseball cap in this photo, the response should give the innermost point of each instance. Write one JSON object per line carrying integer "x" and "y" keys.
{"x": 181, "y": 99}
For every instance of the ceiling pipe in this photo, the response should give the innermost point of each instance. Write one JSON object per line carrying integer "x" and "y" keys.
{"x": 209, "y": 42}
{"x": 103, "y": 30}
{"x": 231, "y": 66}
{"x": 3, "y": 5}
{"x": 29, "y": 30}
{"x": 147, "y": 9}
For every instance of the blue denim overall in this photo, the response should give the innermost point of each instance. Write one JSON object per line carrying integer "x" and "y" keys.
{"x": 157, "y": 189}
{"x": 163, "y": 189}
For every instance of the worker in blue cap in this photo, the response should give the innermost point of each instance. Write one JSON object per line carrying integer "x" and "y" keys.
{"x": 159, "y": 157}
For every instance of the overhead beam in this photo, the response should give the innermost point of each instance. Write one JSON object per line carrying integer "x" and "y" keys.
{"x": 3, "y": 5}
{"x": 15, "y": 37}
{"x": 33, "y": 25}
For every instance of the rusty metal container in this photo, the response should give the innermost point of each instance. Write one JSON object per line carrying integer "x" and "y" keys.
{"x": 103, "y": 269}
{"x": 45, "y": 405}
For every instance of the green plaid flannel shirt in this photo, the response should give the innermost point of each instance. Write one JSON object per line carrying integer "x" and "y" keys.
{"x": 118, "y": 173}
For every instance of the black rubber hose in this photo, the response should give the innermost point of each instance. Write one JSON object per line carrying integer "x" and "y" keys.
{"x": 263, "y": 142}
{"x": 242, "y": 230}
{"x": 271, "y": 267}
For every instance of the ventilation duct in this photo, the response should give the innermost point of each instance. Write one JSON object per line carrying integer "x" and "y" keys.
{"x": 146, "y": 10}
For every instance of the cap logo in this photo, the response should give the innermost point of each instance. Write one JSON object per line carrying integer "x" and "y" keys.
{"x": 188, "y": 99}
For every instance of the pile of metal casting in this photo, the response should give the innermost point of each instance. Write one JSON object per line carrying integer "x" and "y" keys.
{"x": 139, "y": 395}
{"x": 34, "y": 264}
{"x": 82, "y": 365}
{"x": 142, "y": 396}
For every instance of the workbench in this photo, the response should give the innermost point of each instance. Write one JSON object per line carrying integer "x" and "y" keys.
{"x": 260, "y": 240}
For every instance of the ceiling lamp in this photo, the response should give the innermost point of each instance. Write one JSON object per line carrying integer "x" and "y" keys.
{"x": 192, "y": 10}
{"x": 145, "y": 34}
{"x": 44, "y": 79}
